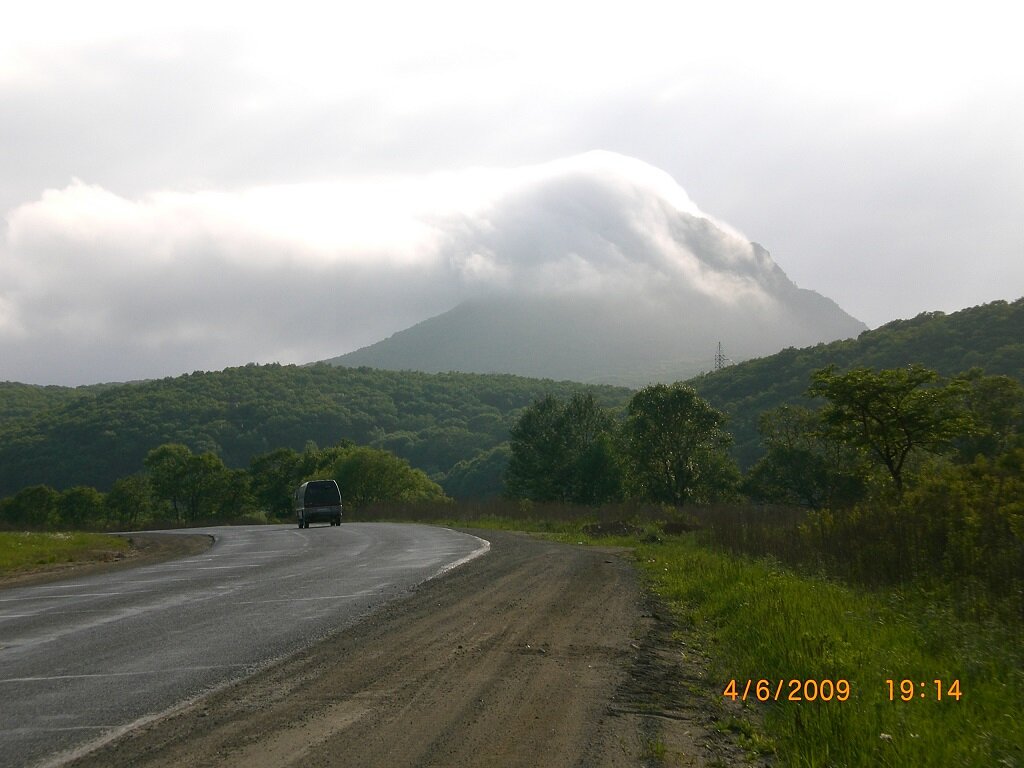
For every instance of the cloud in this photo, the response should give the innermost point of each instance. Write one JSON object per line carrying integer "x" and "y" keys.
{"x": 96, "y": 286}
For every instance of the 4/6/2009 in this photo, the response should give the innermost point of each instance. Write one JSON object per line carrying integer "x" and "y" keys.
{"x": 788, "y": 690}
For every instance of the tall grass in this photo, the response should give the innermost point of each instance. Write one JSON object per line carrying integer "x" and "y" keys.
{"x": 762, "y": 621}
{"x": 881, "y": 547}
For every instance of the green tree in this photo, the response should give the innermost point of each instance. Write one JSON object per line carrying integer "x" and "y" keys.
{"x": 892, "y": 414}
{"x": 168, "y": 472}
{"x": 32, "y": 507}
{"x": 480, "y": 477}
{"x": 208, "y": 487}
{"x": 234, "y": 494}
{"x": 81, "y": 507}
{"x": 275, "y": 475}
{"x": 677, "y": 450}
{"x": 195, "y": 486}
{"x": 801, "y": 464}
{"x": 594, "y": 472}
{"x": 995, "y": 405}
{"x": 538, "y": 452}
{"x": 130, "y": 501}
{"x": 367, "y": 475}
{"x": 564, "y": 452}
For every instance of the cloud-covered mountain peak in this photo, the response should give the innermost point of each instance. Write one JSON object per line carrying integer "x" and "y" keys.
{"x": 601, "y": 268}
{"x": 98, "y": 286}
{"x": 603, "y": 222}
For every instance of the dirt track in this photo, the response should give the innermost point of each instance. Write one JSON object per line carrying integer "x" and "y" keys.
{"x": 536, "y": 654}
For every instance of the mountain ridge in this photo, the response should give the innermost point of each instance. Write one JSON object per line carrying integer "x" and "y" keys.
{"x": 988, "y": 336}
{"x": 581, "y": 340}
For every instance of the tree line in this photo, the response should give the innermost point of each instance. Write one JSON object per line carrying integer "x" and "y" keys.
{"x": 178, "y": 487}
{"x": 903, "y": 473}
{"x": 447, "y": 425}
{"x": 670, "y": 447}
{"x": 872, "y": 435}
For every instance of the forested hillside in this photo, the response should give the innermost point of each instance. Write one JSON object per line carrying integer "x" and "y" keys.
{"x": 95, "y": 435}
{"x": 24, "y": 401}
{"x": 990, "y": 337}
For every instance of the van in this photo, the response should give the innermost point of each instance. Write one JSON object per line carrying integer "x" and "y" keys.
{"x": 318, "y": 501}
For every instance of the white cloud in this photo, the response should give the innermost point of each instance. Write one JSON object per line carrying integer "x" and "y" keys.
{"x": 180, "y": 280}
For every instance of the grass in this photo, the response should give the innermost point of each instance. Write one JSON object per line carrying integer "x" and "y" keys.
{"x": 766, "y": 622}
{"x": 34, "y": 551}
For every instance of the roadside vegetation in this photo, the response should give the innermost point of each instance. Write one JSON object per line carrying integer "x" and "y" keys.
{"x": 177, "y": 488}
{"x": 819, "y": 640}
{"x": 27, "y": 551}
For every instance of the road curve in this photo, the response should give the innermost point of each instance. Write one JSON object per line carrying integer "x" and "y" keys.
{"x": 85, "y": 659}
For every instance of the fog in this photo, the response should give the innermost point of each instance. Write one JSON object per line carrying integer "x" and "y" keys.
{"x": 98, "y": 286}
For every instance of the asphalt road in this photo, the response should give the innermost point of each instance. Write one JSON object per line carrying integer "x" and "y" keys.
{"x": 85, "y": 659}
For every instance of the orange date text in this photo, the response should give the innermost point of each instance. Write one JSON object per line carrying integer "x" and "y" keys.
{"x": 787, "y": 690}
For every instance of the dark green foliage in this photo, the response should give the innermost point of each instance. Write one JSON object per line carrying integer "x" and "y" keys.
{"x": 995, "y": 406}
{"x": 130, "y": 501}
{"x": 563, "y": 451}
{"x": 368, "y": 475}
{"x": 34, "y": 507}
{"x": 891, "y": 414}
{"x": 535, "y": 467}
{"x": 23, "y": 401}
{"x": 802, "y": 465}
{"x": 989, "y": 337}
{"x": 95, "y": 435}
{"x": 80, "y": 508}
{"x": 676, "y": 448}
{"x": 196, "y": 487}
{"x": 482, "y": 477}
{"x": 275, "y": 476}
{"x": 670, "y": 449}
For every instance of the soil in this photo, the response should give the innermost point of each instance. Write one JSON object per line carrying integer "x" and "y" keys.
{"x": 536, "y": 654}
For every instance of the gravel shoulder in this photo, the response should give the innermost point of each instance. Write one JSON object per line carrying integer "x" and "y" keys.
{"x": 537, "y": 654}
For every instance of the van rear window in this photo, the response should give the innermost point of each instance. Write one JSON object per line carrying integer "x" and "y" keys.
{"x": 322, "y": 495}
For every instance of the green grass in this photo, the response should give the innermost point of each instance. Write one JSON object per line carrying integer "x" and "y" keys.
{"x": 32, "y": 551}
{"x": 760, "y": 621}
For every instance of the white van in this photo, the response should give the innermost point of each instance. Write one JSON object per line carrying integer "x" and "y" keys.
{"x": 318, "y": 501}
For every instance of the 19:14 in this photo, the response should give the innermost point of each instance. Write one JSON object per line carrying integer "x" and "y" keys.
{"x": 907, "y": 690}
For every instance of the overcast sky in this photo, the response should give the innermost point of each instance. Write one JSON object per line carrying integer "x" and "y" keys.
{"x": 171, "y": 177}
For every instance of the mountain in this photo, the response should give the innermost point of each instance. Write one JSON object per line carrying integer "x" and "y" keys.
{"x": 590, "y": 340}
{"x": 604, "y": 271}
{"x": 989, "y": 337}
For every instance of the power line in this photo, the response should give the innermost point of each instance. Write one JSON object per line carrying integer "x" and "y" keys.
{"x": 721, "y": 361}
